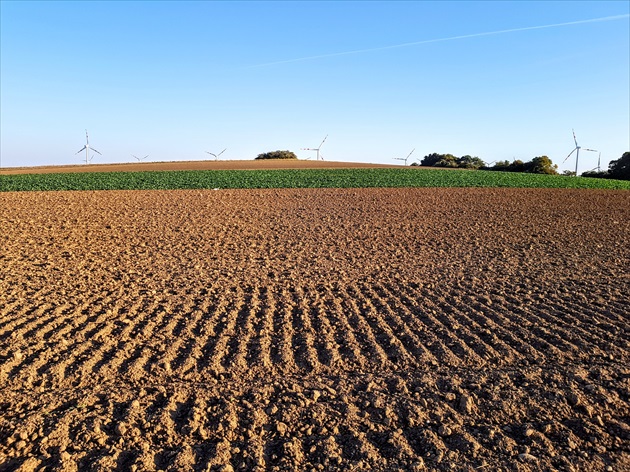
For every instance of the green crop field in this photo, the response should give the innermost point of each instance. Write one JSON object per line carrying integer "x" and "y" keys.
{"x": 303, "y": 178}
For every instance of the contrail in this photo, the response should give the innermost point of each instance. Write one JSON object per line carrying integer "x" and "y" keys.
{"x": 438, "y": 40}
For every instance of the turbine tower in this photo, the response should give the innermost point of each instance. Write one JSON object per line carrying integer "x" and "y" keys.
{"x": 141, "y": 158}
{"x": 406, "y": 158}
{"x": 316, "y": 149}
{"x": 576, "y": 150}
{"x": 87, "y": 149}
{"x": 216, "y": 156}
{"x": 599, "y": 158}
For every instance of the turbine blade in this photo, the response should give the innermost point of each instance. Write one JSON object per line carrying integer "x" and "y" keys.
{"x": 569, "y": 155}
{"x": 82, "y": 149}
{"x": 323, "y": 142}
{"x": 594, "y": 150}
{"x": 145, "y": 156}
{"x": 221, "y": 152}
{"x": 574, "y": 138}
{"x": 95, "y": 151}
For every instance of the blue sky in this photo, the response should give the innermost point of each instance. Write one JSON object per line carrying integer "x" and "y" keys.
{"x": 175, "y": 79}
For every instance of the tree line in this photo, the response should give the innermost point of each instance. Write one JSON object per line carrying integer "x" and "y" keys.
{"x": 617, "y": 169}
{"x": 538, "y": 165}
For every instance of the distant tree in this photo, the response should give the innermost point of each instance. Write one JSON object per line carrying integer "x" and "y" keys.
{"x": 431, "y": 159}
{"x": 469, "y": 162}
{"x": 507, "y": 166}
{"x": 516, "y": 166}
{"x": 569, "y": 173}
{"x": 447, "y": 160}
{"x": 501, "y": 166}
{"x": 541, "y": 165}
{"x": 277, "y": 155}
{"x": 538, "y": 165}
{"x": 620, "y": 168}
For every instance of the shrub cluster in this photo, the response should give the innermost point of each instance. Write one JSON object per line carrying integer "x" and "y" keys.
{"x": 449, "y": 160}
{"x": 538, "y": 165}
{"x": 277, "y": 155}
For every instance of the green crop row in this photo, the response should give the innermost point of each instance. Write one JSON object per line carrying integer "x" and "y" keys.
{"x": 306, "y": 178}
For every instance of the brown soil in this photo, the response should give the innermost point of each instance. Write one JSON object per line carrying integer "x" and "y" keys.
{"x": 354, "y": 330}
{"x": 192, "y": 165}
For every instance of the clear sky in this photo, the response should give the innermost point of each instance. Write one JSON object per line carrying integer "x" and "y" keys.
{"x": 497, "y": 80}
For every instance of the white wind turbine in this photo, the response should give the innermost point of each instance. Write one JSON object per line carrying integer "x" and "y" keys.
{"x": 599, "y": 160}
{"x": 87, "y": 149}
{"x": 317, "y": 149}
{"x": 406, "y": 158}
{"x": 577, "y": 153}
{"x": 141, "y": 158}
{"x": 216, "y": 156}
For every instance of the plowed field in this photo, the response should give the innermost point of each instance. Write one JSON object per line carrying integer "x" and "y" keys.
{"x": 354, "y": 330}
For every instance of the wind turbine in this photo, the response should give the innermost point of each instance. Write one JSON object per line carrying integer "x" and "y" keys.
{"x": 216, "y": 156}
{"x": 87, "y": 149}
{"x": 599, "y": 159}
{"x": 577, "y": 153}
{"x": 141, "y": 158}
{"x": 316, "y": 149}
{"x": 405, "y": 159}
